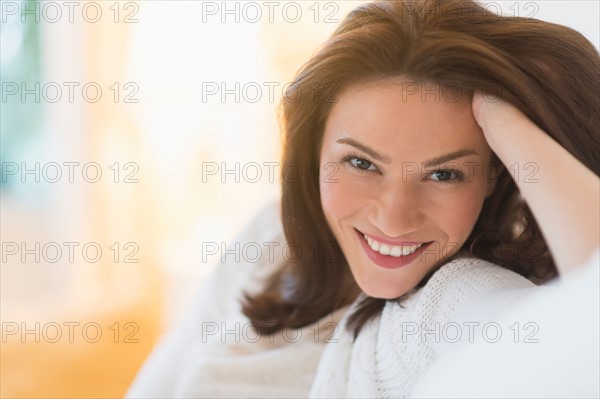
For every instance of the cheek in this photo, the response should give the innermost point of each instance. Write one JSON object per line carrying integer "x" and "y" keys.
{"x": 460, "y": 212}
{"x": 339, "y": 191}
{"x": 336, "y": 194}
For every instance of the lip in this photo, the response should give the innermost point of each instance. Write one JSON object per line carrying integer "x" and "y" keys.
{"x": 386, "y": 261}
{"x": 390, "y": 242}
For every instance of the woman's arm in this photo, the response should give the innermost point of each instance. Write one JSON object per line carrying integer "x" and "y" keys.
{"x": 565, "y": 200}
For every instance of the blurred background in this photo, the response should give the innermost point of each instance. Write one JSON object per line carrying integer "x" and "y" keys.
{"x": 132, "y": 133}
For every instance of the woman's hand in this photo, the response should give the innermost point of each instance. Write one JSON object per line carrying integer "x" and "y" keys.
{"x": 562, "y": 193}
{"x": 497, "y": 118}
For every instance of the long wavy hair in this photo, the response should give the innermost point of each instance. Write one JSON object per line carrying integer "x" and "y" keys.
{"x": 548, "y": 71}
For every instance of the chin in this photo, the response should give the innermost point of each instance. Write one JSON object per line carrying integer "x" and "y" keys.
{"x": 382, "y": 292}
{"x": 380, "y": 296}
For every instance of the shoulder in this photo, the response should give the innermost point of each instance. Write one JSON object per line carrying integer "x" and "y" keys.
{"x": 463, "y": 293}
{"x": 554, "y": 312}
{"x": 466, "y": 278}
{"x": 414, "y": 332}
{"x": 468, "y": 288}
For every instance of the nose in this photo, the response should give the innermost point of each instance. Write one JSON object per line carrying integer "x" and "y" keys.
{"x": 396, "y": 209}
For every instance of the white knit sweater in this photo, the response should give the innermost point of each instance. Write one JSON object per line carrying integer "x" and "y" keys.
{"x": 213, "y": 352}
{"x": 394, "y": 350}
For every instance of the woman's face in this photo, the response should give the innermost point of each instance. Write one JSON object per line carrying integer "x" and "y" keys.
{"x": 404, "y": 167}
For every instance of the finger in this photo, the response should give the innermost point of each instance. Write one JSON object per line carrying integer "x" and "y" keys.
{"x": 479, "y": 107}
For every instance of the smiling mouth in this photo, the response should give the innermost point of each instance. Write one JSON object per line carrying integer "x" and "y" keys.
{"x": 391, "y": 256}
{"x": 385, "y": 247}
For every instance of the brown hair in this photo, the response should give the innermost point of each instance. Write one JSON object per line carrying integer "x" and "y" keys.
{"x": 548, "y": 71}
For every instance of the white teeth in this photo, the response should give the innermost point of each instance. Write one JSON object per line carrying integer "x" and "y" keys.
{"x": 395, "y": 250}
{"x": 373, "y": 244}
{"x": 384, "y": 249}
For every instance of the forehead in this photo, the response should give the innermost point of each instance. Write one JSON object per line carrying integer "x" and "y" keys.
{"x": 404, "y": 113}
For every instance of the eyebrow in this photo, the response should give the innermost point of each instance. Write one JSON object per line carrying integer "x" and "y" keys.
{"x": 432, "y": 162}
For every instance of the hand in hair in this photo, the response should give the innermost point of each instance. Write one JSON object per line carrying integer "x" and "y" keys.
{"x": 564, "y": 195}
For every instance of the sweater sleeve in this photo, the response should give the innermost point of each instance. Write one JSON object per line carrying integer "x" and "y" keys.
{"x": 397, "y": 347}
{"x": 215, "y": 299}
{"x": 472, "y": 296}
{"x": 551, "y": 352}
{"x": 458, "y": 300}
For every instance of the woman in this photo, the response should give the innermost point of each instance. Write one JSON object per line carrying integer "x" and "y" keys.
{"x": 437, "y": 167}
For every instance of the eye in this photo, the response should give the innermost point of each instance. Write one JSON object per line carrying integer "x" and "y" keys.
{"x": 360, "y": 164}
{"x": 447, "y": 176}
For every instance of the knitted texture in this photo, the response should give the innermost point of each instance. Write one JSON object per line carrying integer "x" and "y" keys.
{"x": 396, "y": 348}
